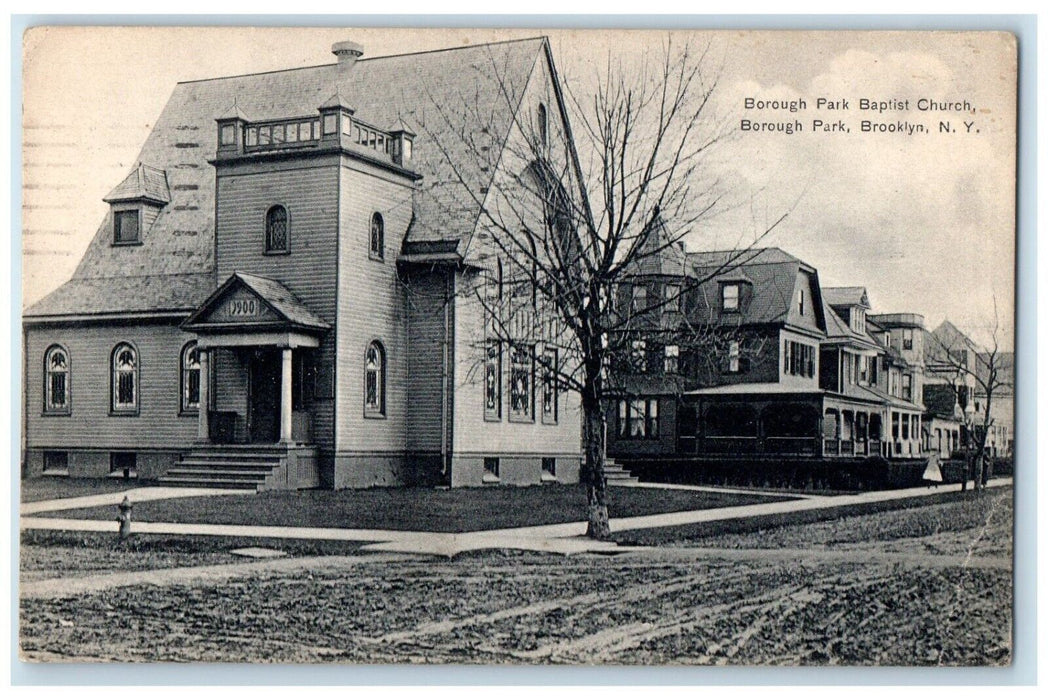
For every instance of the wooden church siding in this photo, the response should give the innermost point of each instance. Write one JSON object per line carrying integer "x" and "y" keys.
{"x": 520, "y": 445}
{"x": 476, "y": 436}
{"x": 371, "y": 308}
{"x": 425, "y": 308}
{"x": 158, "y": 423}
{"x": 309, "y": 191}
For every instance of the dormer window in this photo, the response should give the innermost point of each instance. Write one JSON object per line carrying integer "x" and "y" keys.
{"x": 858, "y": 317}
{"x": 136, "y": 202}
{"x": 673, "y": 297}
{"x": 730, "y": 297}
{"x": 127, "y": 227}
{"x": 800, "y": 301}
{"x": 639, "y": 299}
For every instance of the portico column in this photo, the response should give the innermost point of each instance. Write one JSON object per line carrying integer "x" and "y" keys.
{"x": 203, "y": 427}
{"x": 285, "y": 397}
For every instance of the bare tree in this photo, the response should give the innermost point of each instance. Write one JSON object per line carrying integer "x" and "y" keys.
{"x": 989, "y": 373}
{"x": 566, "y": 218}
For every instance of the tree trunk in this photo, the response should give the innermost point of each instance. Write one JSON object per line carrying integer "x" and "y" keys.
{"x": 593, "y": 469}
{"x": 967, "y": 473}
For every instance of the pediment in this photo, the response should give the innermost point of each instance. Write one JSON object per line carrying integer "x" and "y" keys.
{"x": 251, "y": 302}
{"x": 239, "y": 305}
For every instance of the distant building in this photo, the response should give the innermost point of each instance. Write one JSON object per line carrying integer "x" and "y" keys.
{"x": 956, "y": 364}
{"x": 755, "y": 359}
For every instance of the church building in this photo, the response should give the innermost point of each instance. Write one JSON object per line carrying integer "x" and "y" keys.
{"x": 279, "y": 296}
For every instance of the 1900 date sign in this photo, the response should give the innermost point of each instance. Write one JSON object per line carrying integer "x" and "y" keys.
{"x": 243, "y": 307}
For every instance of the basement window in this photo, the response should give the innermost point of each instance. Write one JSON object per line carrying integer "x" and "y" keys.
{"x": 123, "y": 464}
{"x": 491, "y": 469}
{"x": 56, "y": 463}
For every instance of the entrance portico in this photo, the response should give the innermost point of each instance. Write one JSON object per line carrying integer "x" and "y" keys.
{"x": 251, "y": 332}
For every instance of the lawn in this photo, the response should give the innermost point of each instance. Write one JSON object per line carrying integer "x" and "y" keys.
{"x": 979, "y": 525}
{"x": 432, "y": 510}
{"x": 46, "y": 488}
{"x": 948, "y": 523}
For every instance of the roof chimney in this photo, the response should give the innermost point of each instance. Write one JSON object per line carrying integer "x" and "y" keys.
{"x": 347, "y": 51}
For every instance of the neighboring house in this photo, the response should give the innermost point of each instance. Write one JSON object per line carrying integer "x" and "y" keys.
{"x": 1001, "y": 438}
{"x": 901, "y": 338}
{"x": 756, "y": 360}
{"x": 280, "y": 293}
{"x": 943, "y": 419}
{"x": 950, "y": 357}
{"x": 955, "y": 361}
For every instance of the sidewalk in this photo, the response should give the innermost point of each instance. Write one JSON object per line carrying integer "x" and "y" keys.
{"x": 566, "y": 538}
{"x": 135, "y": 495}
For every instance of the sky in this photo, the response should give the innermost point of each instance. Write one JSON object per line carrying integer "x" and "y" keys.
{"x": 925, "y": 221}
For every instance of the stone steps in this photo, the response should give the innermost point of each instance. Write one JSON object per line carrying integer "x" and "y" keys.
{"x": 225, "y": 467}
{"x": 617, "y": 474}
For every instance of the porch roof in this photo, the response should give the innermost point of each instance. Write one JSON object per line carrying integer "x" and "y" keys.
{"x": 279, "y": 309}
{"x": 758, "y": 388}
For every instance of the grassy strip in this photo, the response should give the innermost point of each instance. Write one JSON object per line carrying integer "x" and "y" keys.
{"x": 46, "y": 488}
{"x": 184, "y": 544}
{"x": 430, "y": 510}
{"x": 682, "y": 534}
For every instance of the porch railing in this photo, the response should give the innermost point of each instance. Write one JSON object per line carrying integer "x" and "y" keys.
{"x": 790, "y": 445}
{"x": 756, "y": 445}
{"x": 731, "y": 445}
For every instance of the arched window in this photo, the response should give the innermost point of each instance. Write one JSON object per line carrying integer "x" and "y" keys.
{"x": 375, "y": 380}
{"x": 377, "y": 246}
{"x": 277, "y": 239}
{"x": 124, "y": 379}
{"x": 190, "y": 363}
{"x": 56, "y": 380}
{"x": 543, "y": 126}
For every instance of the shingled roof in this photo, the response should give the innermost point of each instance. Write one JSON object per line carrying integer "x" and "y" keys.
{"x": 771, "y": 271}
{"x": 144, "y": 183}
{"x": 837, "y": 331}
{"x": 846, "y": 296}
{"x": 660, "y": 253}
{"x": 449, "y": 90}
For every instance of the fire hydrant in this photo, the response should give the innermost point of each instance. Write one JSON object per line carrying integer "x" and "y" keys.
{"x": 124, "y": 518}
